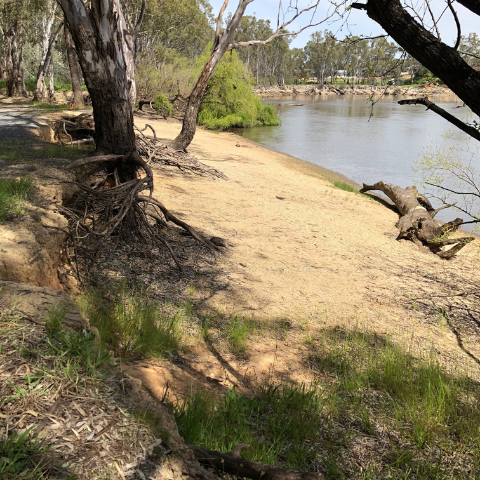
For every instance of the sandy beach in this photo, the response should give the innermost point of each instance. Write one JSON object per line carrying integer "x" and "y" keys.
{"x": 308, "y": 252}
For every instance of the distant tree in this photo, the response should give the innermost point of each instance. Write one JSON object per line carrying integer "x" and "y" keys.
{"x": 320, "y": 52}
{"x": 442, "y": 60}
{"x": 470, "y": 49}
{"x": 74, "y": 68}
{"x": 49, "y": 33}
{"x": 13, "y": 15}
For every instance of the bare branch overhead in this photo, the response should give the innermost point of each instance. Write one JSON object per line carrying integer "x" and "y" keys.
{"x": 280, "y": 32}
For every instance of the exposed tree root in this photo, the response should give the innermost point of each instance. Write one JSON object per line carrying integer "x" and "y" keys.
{"x": 74, "y": 129}
{"x": 155, "y": 151}
{"x": 417, "y": 222}
{"x": 233, "y": 464}
{"x": 113, "y": 202}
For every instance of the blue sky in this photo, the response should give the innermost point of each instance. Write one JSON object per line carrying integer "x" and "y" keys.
{"x": 358, "y": 22}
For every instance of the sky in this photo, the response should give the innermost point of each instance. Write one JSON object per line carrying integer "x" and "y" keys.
{"x": 358, "y": 21}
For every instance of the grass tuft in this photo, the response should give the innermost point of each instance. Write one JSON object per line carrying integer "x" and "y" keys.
{"x": 132, "y": 323}
{"x": 13, "y": 195}
{"x": 22, "y": 457}
{"x": 345, "y": 186}
{"x": 275, "y": 423}
{"x": 369, "y": 386}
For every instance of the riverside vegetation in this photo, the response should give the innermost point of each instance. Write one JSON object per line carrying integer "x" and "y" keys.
{"x": 375, "y": 410}
{"x": 417, "y": 420}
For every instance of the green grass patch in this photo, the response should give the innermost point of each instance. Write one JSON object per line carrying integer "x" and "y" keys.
{"x": 345, "y": 186}
{"x": 233, "y": 331}
{"x": 13, "y": 195}
{"x": 24, "y": 457}
{"x": 275, "y": 423}
{"x": 14, "y": 151}
{"x": 58, "y": 358}
{"x": 366, "y": 386}
{"x": 54, "y": 107}
{"x": 131, "y": 323}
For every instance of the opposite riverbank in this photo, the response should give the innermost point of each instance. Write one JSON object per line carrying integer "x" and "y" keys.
{"x": 309, "y": 90}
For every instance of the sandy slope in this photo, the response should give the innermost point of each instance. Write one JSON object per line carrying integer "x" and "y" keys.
{"x": 304, "y": 250}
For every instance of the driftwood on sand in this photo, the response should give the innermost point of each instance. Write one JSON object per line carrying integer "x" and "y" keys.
{"x": 417, "y": 221}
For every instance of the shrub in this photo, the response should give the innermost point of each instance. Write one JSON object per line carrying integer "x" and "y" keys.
{"x": 229, "y": 100}
{"x": 163, "y": 105}
{"x": 13, "y": 194}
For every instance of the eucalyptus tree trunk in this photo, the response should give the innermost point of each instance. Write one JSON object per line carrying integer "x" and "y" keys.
{"x": 47, "y": 43}
{"x": 106, "y": 50}
{"x": 14, "y": 61}
{"x": 51, "y": 81}
{"x": 75, "y": 71}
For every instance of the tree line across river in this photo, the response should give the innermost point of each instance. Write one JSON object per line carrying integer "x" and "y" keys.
{"x": 173, "y": 44}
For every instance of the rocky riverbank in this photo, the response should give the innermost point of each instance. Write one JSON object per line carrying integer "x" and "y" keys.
{"x": 290, "y": 90}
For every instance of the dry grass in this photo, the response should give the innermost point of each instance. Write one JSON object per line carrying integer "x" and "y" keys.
{"x": 54, "y": 394}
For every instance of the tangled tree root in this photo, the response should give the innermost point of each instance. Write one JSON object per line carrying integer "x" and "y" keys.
{"x": 115, "y": 197}
{"x": 117, "y": 200}
{"x": 74, "y": 129}
{"x": 158, "y": 152}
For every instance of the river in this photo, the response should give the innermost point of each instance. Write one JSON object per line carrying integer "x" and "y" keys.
{"x": 339, "y": 133}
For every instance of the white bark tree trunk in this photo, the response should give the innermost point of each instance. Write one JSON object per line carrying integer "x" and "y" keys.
{"x": 106, "y": 51}
{"x": 41, "y": 88}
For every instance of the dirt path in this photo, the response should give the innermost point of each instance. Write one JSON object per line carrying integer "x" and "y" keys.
{"x": 310, "y": 253}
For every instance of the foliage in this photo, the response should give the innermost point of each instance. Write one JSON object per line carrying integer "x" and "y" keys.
{"x": 13, "y": 195}
{"x": 470, "y": 47}
{"x": 229, "y": 101}
{"x": 163, "y": 105}
{"x": 451, "y": 175}
{"x": 163, "y": 70}
{"x": 369, "y": 386}
{"x": 21, "y": 457}
{"x": 132, "y": 323}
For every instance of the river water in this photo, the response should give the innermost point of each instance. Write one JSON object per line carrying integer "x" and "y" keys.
{"x": 339, "y": 133}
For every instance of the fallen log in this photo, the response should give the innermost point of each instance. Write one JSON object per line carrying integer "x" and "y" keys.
{"x": 417, "y": 222}
{"x": 233, "y": 464}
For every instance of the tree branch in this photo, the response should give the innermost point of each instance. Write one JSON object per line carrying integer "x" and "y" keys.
{"x": 473, "y": 132}
{"x": 443, "y": 61}
{"x": 459, "y": 27}
{"x": 235, "y": 465}
{"x": 48, "y": 55}
{"x": 448, "y": 205}
{"x": 433, "y": 19}
{"x": 280, "y": 30}
{"x": 140, "y": 17}
{"x": 219, "y": 24}
{"x": 472, "y": 5}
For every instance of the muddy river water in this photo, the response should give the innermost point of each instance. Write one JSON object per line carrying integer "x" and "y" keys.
{"x": 339, "y": 133}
